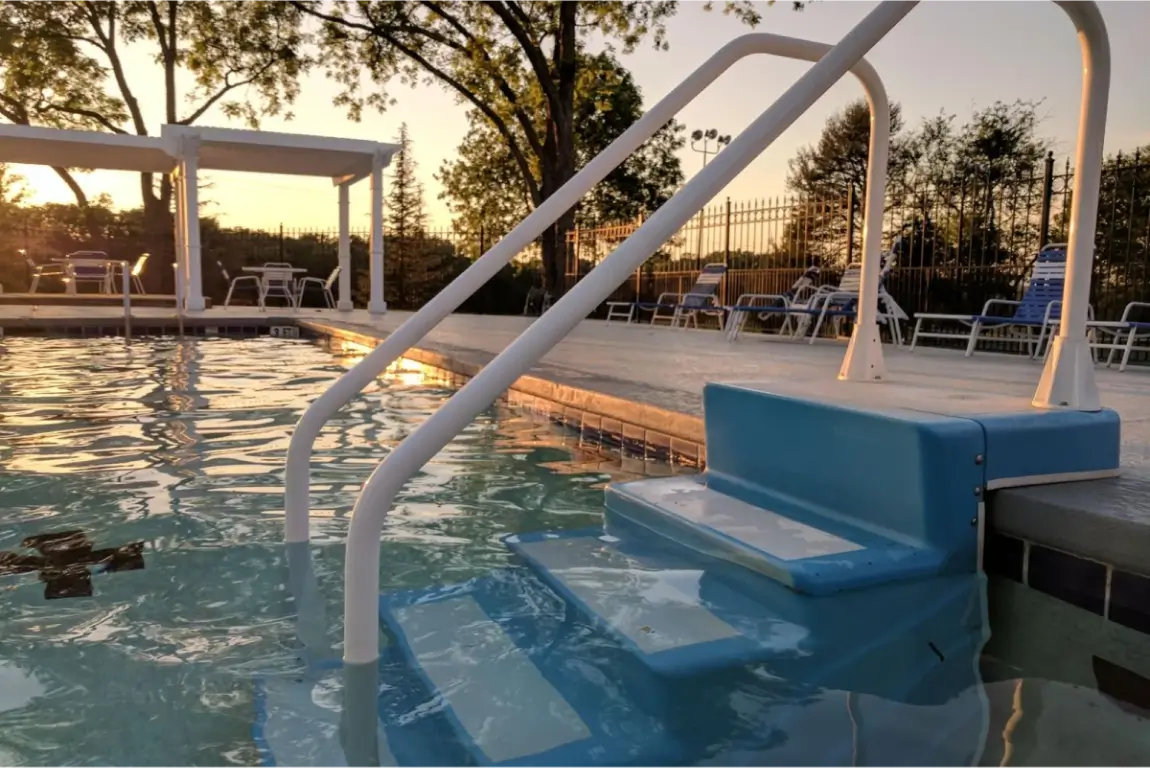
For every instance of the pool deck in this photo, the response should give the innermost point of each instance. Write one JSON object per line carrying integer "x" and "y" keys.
{"x": 651, "y": 379}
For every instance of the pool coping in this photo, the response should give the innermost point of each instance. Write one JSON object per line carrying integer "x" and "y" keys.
{"x": 638, "y": 428}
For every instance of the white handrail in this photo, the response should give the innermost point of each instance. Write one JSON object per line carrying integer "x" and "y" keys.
{"x": 297, "y": 472}
{"x": 1068, "y": 376}
{"x": 361, "y": 569}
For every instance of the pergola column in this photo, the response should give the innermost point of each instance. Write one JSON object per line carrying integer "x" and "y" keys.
{"x": 179, "y": 231}
{"x": 190, "y": 175}
{"x": 377, "y": 305}
{"x": 345, "y": 303}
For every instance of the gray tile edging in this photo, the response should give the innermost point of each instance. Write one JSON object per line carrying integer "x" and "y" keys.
{"x": 640, "y": 427}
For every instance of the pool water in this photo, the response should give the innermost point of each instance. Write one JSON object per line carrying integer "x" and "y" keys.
{"x": 180, "y": 445}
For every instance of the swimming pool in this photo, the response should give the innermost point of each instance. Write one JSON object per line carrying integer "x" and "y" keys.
{"x": 180, "y": 445}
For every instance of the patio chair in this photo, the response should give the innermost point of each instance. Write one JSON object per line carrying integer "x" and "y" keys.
{"x": 41, "y": 270}
{"x": 97, "y": 274}
{"x": 323, "y": 284}
{"x": 1039, "y": 308}
{"x": 234, "y": 282}
{"x": 276, "y": 283}
{"x": 135, "y": 274}
{"x": 677, "y": 308}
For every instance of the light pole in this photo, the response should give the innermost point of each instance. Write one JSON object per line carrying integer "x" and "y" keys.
{"x": 701, "y": 143}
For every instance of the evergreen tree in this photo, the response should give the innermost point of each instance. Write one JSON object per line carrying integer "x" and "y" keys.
{"x": 415, "y": 266}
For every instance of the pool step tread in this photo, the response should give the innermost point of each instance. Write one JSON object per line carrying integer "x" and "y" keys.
{"x": 808, "y": 554}
{"x": 505, "y": 704}
{"x": 297, "y": 720}
{"x": 666, "y": 611}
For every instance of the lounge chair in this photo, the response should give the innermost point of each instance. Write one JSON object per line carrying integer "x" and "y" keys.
{"x": 765, "y": 305}
{"x": 678, "y": 309}
{"x": 1038, "y": 309}
{"x": 136, "y": 273}
{"x": 842, "y": 303}
{"x": 834, "y": 303}
{"x": 1124, "y": 332}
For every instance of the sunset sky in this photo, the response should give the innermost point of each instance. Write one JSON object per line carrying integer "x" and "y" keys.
{"x": 953, "y": 56}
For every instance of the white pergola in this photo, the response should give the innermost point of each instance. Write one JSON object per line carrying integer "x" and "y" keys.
{"x": 183, "y": 151}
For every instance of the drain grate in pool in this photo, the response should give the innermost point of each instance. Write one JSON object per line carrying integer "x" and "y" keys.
{"x": 65, "y": 561}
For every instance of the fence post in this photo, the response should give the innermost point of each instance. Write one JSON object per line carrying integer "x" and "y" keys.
{"x": 639, "y": 269}
{"x": 850, "y": 224}
{"x": 482, "y": 241}
{"x": 1047, "y": 194}
{"x": 726, "y": 252}
{"x": 281, "y": 244}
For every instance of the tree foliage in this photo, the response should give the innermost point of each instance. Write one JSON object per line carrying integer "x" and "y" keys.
{"x": 242, "y": 58}
{"x": 414, "y": 264}
{"x": 484, "y": 189}
{"x": 953, "y": 185}
{"x": 492, "y": 55}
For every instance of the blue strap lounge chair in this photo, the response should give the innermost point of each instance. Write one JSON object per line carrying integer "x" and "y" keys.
{"x": 1039, "y": 308}
{"x": 833, "y": 303}
{"x": 1120, "y": 335}
{"x": 765, "y": 305}
{"x": 678, "y": 310}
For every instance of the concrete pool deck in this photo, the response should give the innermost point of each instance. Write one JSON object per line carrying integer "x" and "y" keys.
{"x": 649, "y": 380}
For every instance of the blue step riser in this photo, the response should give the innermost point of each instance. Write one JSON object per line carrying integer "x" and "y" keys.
{"x": 912, "y": 476}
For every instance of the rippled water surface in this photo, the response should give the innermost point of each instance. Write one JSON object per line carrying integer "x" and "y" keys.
{"x": 180, "y": 445}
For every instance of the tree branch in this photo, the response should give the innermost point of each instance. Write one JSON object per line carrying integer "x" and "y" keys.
{"x": 70, "y": 180}
{"x": 228, "y": 87}
{"x": 463, "y": 90}
{"x": 505, "y": 88}
{"x": 534, "y": 54}
{"x": 86, "y": 113}
{"x": 109, "y": 45}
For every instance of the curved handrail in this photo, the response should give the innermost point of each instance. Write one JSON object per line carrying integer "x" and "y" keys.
{"x": 361, "y": 568}
{"x": 297, "y": 476}
{"x": 1068, "y": 375}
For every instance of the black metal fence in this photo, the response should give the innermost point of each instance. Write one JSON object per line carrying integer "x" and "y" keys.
{"x": 962, "y": 240}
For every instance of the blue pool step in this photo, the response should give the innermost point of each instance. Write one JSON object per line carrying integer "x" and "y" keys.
{"x": 494, "y": 667}
{"x": 601, "y": 649}
{"x": 680, "y": 615}
{"x": 809, "y": 554}
{"x": 813, "y": 598}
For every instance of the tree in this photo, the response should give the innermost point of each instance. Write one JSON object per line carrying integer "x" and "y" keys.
{"x": 491, "y": 55}
{"x": 243, "y": 58}
{"x": 46, "y": 79}
{"x": 409, "y": 263}
{"x": 831, "y": 174}
{"x": 11, "y": 193}
{"x": 485, "y": 190}
{"x": 1122, "y": 237}
{"x": 949, "y": 186}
